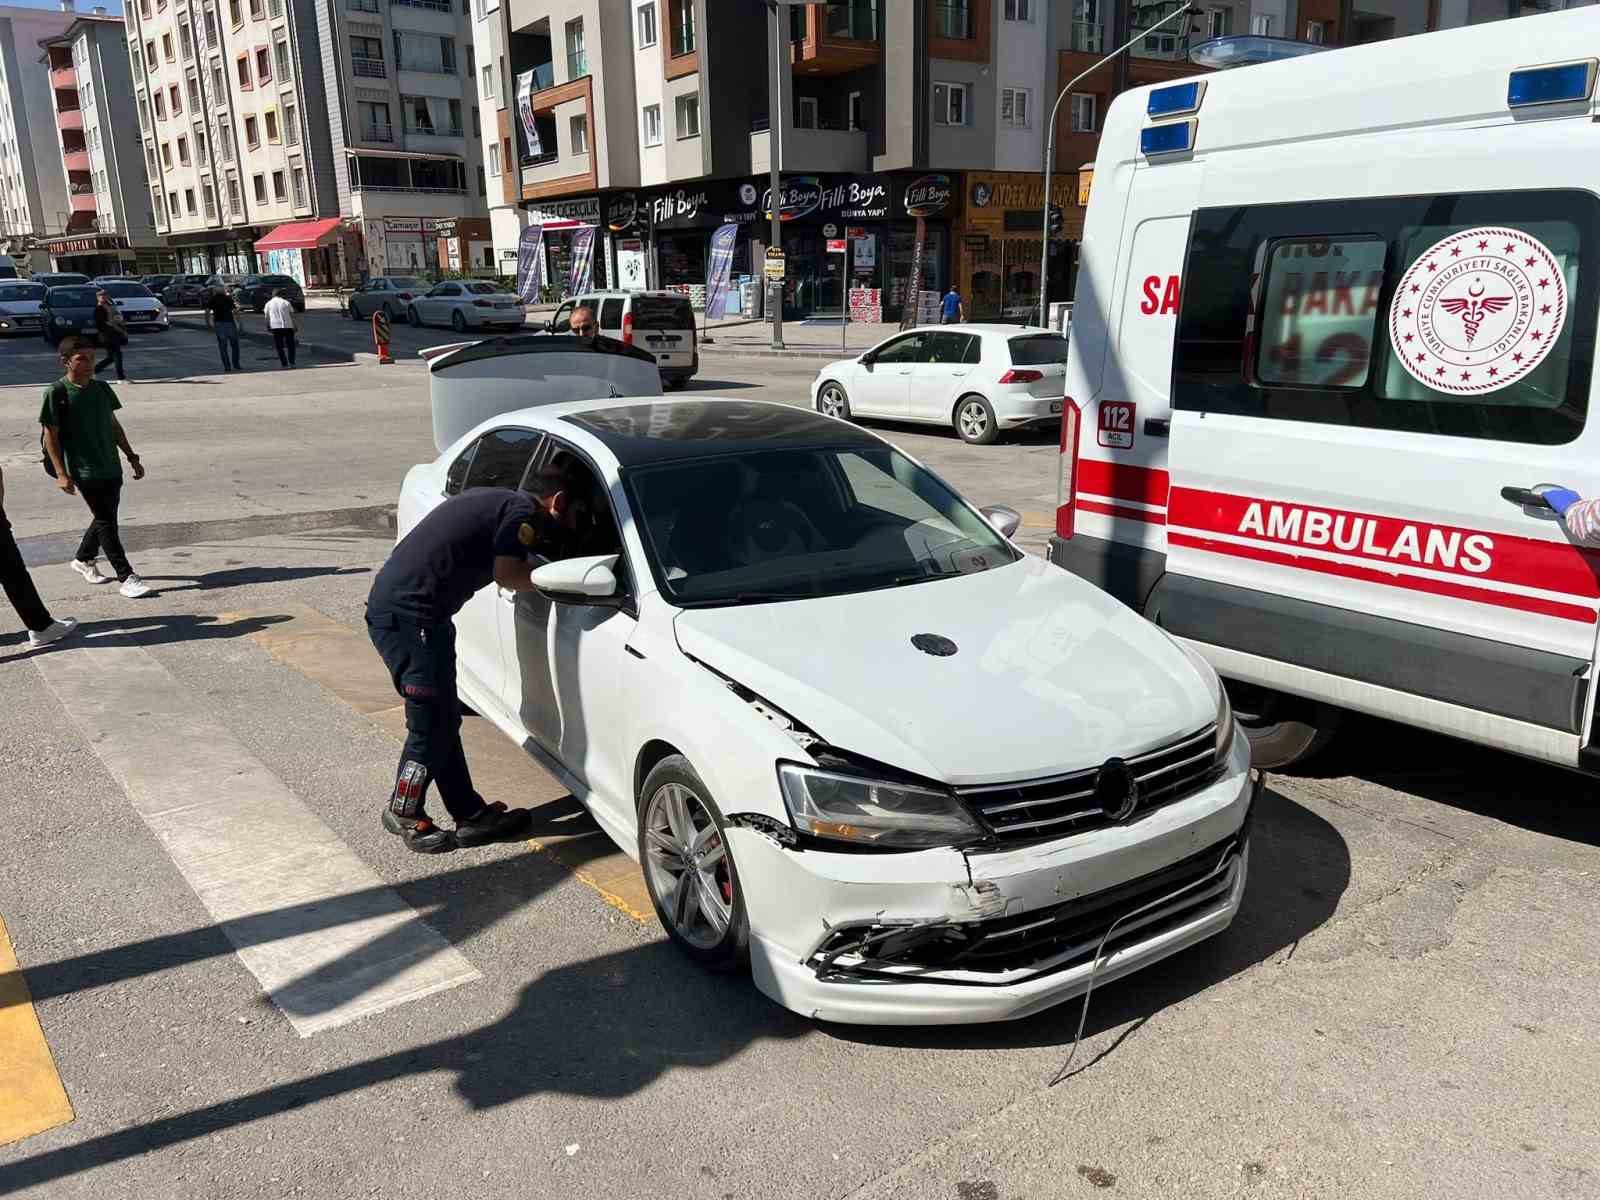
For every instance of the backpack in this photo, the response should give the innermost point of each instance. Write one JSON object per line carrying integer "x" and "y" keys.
{"x": 62, "y": 402}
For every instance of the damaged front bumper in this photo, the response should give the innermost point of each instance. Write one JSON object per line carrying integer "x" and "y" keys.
{"x": 949, "y": 936}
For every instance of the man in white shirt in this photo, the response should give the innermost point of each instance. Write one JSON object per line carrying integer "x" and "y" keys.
{"x": 281, "y": 320}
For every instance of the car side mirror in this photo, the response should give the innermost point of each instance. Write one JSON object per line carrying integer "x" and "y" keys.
{"x": 867, "y": 359}
{"x": 591, "y": 580}
{"x": 1005, "y": 520}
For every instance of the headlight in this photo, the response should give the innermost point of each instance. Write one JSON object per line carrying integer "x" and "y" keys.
{"x": 1224, "y": 723}
{"x": 872, "y": 812}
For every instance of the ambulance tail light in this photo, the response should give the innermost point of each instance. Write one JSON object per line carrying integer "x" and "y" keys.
{"x": 1176, "y": 137}
{"x": 1023, "y": 376}
{"x": 1067, "y": 482}
{"x": 1558, "y": 83}
{"x": 627, "y": 329}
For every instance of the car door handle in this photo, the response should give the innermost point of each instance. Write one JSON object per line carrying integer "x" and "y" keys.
{"x": 958, "y": 374}
{"x": 1526, "y": 497}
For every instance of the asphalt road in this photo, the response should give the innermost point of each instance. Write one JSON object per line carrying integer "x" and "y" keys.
{"x": 1407, "y": 1005}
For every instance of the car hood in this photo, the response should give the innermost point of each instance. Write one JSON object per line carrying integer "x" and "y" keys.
{"x": 139, "y": 303}
{"x": 1050, "y": 675}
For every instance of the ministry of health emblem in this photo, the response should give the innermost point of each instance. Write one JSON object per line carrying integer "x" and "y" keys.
{"x": 1478, "y": 310}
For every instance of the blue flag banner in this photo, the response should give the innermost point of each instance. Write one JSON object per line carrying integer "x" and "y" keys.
{"x": 720, "y": 269}
{"x": 530, "y": 263}
{"x": 582, "y": 272}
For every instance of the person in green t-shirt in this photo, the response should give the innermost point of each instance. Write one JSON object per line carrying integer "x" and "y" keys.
{"x": 82, "y": 436}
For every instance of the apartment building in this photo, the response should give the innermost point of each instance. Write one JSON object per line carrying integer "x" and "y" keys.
{"x": 33, "y": 189}
{"x": 110, "y": 225}
{"x": 402, "y": 101}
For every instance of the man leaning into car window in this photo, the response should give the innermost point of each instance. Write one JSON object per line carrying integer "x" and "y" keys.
{"x": 483, "y": 536}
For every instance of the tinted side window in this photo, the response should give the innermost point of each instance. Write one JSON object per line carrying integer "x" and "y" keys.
{"x": 1039, "y": 349}
{"x": 663, "y": 312}
{"x": 1462, "y": 315}
{"x": 947, "y": 348}
{"x": 611, "y": 314}
{"x": 456, "y": 477}
{"x": 502, "y": 457}
{"x": 905, "y": 350}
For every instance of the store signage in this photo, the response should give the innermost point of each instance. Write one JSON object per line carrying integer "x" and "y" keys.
{"x": 681, "y": 205}
{"x": 830, "y": 230}
{"x": 585, "y": 211}
{"x": 530, "y": 263}
{"x": 866, "y": 255}
{"x": 856, "y": 232}
{"x": 582, "y": 270}
{"x": 775, "y": 264}
{"x": 798, "y": 196}
{"x": 720, "y": 271}
{"x": 838, "y": 246}
{"x": 976, "y": 243}
{"x": 829, "y": 198}
{"x": 530, "y": 128}
{"x": 929, "y": 195}
{"x": 622, "y": 212}
{"x": 1085, "y": 182}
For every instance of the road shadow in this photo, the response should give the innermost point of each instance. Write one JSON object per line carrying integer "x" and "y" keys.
{"x": 158, "y": 629}
{"x": 720, "y": 385}
{"x": 1299, "y": 868}
{"x": 1486, "y": 782}
{"x": 246, "y": 576}
{"x": 1028, "y": 435}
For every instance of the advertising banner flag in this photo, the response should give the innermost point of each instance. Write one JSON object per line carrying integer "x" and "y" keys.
{"x": 582, "y": 273}
{"x": 719, "y": 270}
{"x": 908, "y": 312}
{"x": 525, "y": 110}
{"x": 530, "y": 263}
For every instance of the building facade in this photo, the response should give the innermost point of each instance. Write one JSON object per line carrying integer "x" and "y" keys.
{"x": 33, "y": 188}
{"x": 111, "y": 224}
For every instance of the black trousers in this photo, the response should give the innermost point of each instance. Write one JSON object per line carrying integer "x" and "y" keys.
{"x": 18, "y": 584}
{"x": 422, "y": 663}
{"x": 113, "y": 355}
{"x": 283, "y": 340}
{"x": 103, "y": 496}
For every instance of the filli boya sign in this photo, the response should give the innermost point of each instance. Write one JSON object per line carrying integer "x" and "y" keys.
{"x": 928, "y": 195}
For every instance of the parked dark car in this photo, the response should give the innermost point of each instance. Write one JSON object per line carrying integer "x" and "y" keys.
{"x": 68, "y": 310}
{"x": 154, "y": 282}
{"x": 52, "y": 279}
{"x": 256, "y": 290}
{"x": 187, "y": 291}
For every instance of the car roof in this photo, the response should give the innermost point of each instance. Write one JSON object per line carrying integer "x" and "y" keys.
{"x": 992, "y": 328}
{"x": 641, "y": 431}
{"x": 614, "y": 292}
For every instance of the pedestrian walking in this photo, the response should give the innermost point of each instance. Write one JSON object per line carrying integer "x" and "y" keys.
{"x": 483, "y": 536}
{"x": 284, "y": 323}
{"x": 222, "y": 316}
{"x": 81, "y": 437}
{"x": 18, "y": 585}
{"x": 111, "y": 328}
{"x": 951, "y": 309}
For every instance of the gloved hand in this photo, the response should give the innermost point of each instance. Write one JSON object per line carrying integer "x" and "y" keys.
{"x": 1581, "y": 517}
{"x": 1558, "y": 498}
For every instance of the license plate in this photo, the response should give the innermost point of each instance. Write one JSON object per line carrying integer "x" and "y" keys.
{"x": 1055, "y": 406}
{"x": 27, "y": 320}
{"x": 141, "y": 316}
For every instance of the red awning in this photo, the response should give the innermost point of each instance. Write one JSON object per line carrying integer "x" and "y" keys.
{"x": 300, "y": 235}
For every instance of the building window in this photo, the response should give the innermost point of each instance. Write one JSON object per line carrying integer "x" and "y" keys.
{"x": 242, "y": 66}
{"x": 952, "y": 19}
{"x": 166, "y": 155}
{"x": 263, "y": 65}
{"x": 486, "y": 88}
{"x": 278, "y": 187}
{"x": 149, "y": 162}
{"x": 291, "y": 125}
{"x": 260, "y": 185}
{"x": 375, "y": 125}
{"x": 172, "y": 204}
{"x": 477, "y": 122}
{"x": 1316, "y": 31}
{"x": 166, "y": 46}
{"x": 688, "y": 113}
{"x": 455, "y": 117}
{"x": 186, "y": 41}
{"x": 161, "y": 107}
{"x": 366, "y": 55}
{"x": 235, "y": 15}
{"x": 1261, "y": 24}
{"x": 257, "y": 10}
{"x": 950, "y": 103}
{"x": 1083, "y": 112}
{"x": 209, "y": 196}
{"x": 419, "y": 52}
{"x": 494, "y": 159}
{"x": 418, "y": 116}
{"x": 225, "y": 140}
{"x": 1014, "y": 107}
{"x": 1217, "y": 22}
{"x": 235, "y": 200}
{"x": 210, "y": 27}
{"x": 1019, "y": 10}
{"x": 200, "y": 149}
{"x": 577, "y": 57}
{"x": 150, "y": 55}
{"x": 647, "y": 25}
{"x": 579, "y": 130}
{"x": 271, "y": 118}
{"x": 483, "y": 184}
{"x": 175, "y": 99}
{"x": 652, "y": 124}
{"x": 299, "y": 177}
{"x": 194, "y": 93}
{"x": 183, "y": 151}
{"x": 683, "y": 39}
{"x": 219, "y": 85}
{"x": 857, "y": 114}
{"x": 252, "y": 133}
{"x": 188, "y": 201}
{"x": 805, "y": 116}
{"x": 280, "y": 55}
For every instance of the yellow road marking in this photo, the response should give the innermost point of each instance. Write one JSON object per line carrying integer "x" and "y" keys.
{"x": 31, "y": 1096}
{"x": 343, "y": 661}
{"x": 1035, "y": 520}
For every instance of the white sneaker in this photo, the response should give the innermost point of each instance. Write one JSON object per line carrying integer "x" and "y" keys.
{"x": 56, "y": 631}
{"x": 133, "y": 587}
{"x": 90, "y": 571}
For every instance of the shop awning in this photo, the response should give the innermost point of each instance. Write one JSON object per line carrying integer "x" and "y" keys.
{"x": 300, "y": 235}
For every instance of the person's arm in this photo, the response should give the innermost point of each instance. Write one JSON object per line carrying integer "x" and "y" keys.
{"x": 2, "y": 488}
{"x": 52, "y": 447}
{"x": 127, "y": 450}
{"x": 211, "y": 318}
{"x": 513, "y": 574}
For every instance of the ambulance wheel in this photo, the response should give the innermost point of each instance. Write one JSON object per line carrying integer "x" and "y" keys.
{"x": 688, "y": 868}
{"x": 1283, "y": 730}
{"x": 974, "y": 421}
{"x": 832, "y": 402}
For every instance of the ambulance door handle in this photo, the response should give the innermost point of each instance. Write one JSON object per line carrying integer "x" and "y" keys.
{"x": 1157, "y": 427}
{"x": 1526, "y": 497}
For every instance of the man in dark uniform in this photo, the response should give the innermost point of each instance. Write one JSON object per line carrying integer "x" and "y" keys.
{"x": 483, "y": 536}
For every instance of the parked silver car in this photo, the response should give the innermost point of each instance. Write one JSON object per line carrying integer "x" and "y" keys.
{"x": 19, "y": 307}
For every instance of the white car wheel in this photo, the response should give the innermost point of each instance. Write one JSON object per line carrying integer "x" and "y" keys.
{"x": 975, "y": 421}
{"x": 832, "y": 402}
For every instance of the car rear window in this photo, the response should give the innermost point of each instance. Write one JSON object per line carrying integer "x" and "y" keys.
{"x": 72, "y": 297}
{"x": 1038, "y": 350}
{"x": 662, "y": 312}
{"x": 22, "y": 291}
{"x": 482, "y": 289}
{"x": 127, "y": 291}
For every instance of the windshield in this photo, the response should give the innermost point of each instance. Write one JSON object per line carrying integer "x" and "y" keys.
{"x": 126, "y": 291}
{"x": 483, "y": 289}
{"x": 63, "y": 280}
{"x": 662, "y": 312}
{"x": 21, "y": 291}
{"x": 1038, "y": 350}
{"x": 252, "y": 280}
{"x": 787, "y": 524}
{"x": 404, "y": 282}
{"x": 72, "y": 297}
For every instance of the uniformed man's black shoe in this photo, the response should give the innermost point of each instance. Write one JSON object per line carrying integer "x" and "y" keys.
{"x": 493, "y": 824}
{"x": 419, "y": 832}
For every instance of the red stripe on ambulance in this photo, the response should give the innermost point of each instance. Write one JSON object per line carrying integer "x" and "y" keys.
{"x": 1122, "y": 481}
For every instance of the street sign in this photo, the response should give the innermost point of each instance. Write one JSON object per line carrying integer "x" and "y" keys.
{"x": 775, "y": 263}
{"x": 837, "y": 246}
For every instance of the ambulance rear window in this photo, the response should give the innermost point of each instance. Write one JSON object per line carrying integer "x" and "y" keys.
{"x": 1467, "y": 315}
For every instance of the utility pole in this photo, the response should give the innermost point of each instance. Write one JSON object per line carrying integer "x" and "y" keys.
{"x": 778, "y": 60}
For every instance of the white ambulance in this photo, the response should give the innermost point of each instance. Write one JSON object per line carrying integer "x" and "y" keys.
{"x": 1335, "y": 319}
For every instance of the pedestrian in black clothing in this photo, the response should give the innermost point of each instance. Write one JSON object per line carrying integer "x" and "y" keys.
{"x": 18, "y": 586}
{"x": 112, "y": 331}
{"x": 222, "y": 315}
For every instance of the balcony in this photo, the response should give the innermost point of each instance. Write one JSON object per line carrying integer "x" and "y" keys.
{"x": 65, "y": 78}
{"x": 75, "y": 160}
{"x": 451, "y": 131}
{"x": 81, "y": 201}
{"x": 374, "y": 132}
{"x": 544, "y": 76}
{"x": 437, "y": 5}
{"x": 1088, "y": 37}
{"x": 369, "y": 68}
{"x": 70, "y": 118}
{"x": 1162, "y": 44}
{"x": 810, "y": 149}
{"x": 835, "y": 41}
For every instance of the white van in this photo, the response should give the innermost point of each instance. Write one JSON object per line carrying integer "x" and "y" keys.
{"x": 662, "y": 323}
{"x": 1335, "y": 318}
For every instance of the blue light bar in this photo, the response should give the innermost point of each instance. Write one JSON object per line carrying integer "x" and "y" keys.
{"x": 1563, "y": 83}
{"x": 1179, "y": 98}
{"x": 1174, "y": 138}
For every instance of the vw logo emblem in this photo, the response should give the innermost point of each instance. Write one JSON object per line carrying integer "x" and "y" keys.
{"x": 1116, "y": 790}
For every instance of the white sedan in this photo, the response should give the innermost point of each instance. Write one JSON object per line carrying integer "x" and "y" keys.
{"x": 860, "y": 744}
{"x": 139, "y": 306}
{"x": 979, "y": 379}
{"x": 466, "y": 304}
{"x": 19, "y": 307}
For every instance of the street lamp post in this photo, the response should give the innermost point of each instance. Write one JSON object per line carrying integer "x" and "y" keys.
{"x": 778, "y": 62}
{"x": 1050, "y": 156}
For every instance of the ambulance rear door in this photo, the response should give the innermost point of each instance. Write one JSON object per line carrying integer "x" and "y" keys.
{"x": 1357, "y": 383}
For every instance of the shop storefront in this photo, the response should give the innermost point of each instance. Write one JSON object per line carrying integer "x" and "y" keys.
{"x": 93, "y": 254}
{"x": 562, "y": 222}
{"x": 207, "y": 254}
{"x": 465, "y": 245}
{"x": 664, "y": 234}
{"x": 316, "y": 254}
{"x": 1001, "y": 238}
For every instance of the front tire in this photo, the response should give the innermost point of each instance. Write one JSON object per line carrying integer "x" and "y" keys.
{"x": 355, "y": 313}
{"x": 974, "y": 421}
{"x": 1283, "y": 730}
{"x": 413, "y": 318}
{"x": 458, "y": 322}
{"x": 832, "y": 401}
{"x": 688, "y": 868}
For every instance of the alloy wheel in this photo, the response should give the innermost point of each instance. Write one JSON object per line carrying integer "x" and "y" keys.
{"x": 687, "y": 863}
{"x": 974, "y": 420}
{"x": 831, "y": 401}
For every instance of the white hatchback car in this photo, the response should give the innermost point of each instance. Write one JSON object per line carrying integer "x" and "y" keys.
{"x": 856, "y": 739}
{"x": 980, "y": 379}
{"x": 19, "y": 306}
